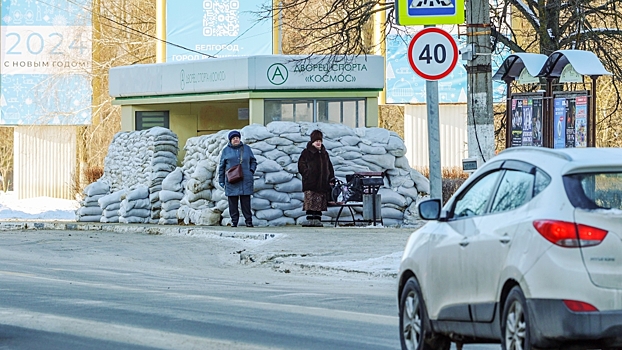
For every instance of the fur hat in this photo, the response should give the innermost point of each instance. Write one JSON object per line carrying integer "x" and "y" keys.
{"x": 316, "y": 135}
{"x": 233, "y": 134}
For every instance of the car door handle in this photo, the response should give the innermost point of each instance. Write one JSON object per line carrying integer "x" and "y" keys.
{"x": 464, "y": 243}
{"x": 504, "y": 240}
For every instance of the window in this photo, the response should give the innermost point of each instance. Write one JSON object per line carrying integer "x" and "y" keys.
{"x": 514, "y": 190}
{"x": 348, "y": 112}
{"x": 475, "y": 200}
{"x": 146, "y": 120}
{"x": 542, "y": 181}
{"x": 595, "y": 190}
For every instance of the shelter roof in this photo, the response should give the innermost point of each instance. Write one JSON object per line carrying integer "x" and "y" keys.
{"x": 514, "y": 64}
{"x": 584, "y": 62}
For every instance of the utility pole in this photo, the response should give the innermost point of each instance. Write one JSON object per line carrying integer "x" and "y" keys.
{"x": 480, "y": 118}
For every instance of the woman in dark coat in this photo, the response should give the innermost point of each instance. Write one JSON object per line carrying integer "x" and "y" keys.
{"x": 317, "y": 171}
{"x": 242, "y": 190}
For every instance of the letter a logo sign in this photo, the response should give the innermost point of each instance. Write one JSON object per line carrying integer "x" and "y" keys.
{"x": 277, "y": 74}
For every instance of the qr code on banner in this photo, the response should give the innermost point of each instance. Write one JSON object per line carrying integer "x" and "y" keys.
{"x": 221, "y": 17}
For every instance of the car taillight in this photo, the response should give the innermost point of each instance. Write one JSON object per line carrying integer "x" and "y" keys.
{"x": 568, "y": 234}
{"x": 579, "y": 306}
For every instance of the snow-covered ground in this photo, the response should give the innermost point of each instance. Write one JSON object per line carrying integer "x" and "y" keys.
{"x": 374, "y": 250}
{"x": 40, "y": 208}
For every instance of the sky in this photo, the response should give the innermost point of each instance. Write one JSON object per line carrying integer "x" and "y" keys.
{"x": 39, "y": 208}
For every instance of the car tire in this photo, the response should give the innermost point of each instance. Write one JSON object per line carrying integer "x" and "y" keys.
{"x": 415, "y": 328}
{"x": 515, "y": 322}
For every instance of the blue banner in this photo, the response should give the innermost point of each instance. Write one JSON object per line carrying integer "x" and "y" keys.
{"x": 45, "y": 65}
{"x": 218, "y": 28}
{"x": 559, "y": 122}
{"x": 403, "y": 86}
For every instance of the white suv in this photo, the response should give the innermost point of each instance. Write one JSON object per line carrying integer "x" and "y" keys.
{"x": 528, "y": 253}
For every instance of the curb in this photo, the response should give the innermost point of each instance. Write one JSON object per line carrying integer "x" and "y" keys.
{"x": 132, "y": 228}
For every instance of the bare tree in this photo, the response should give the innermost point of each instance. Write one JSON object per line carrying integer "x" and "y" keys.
{"x": 326, "y": 27}
{"x": 540, "y": 26}
{"x": 123, "y": 34}
{"x": 6, "y": 157}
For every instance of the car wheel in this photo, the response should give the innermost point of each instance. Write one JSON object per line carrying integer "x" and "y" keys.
{"x": 415, "y": 330}
{"x": 515, "y": 323}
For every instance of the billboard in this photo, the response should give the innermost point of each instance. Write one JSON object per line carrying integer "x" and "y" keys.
{"x": 570, "y": 120}
{"x": 526, "y": 121}
{"x": 581, "y": 121}
{"x": 45, "y": 63}
{"x": 403, "y": 86}
{"x": 216, "y": 28}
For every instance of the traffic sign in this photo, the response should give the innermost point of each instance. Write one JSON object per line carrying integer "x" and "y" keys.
{"x": 432, "y": 53}
{"x": 429, "y": 12}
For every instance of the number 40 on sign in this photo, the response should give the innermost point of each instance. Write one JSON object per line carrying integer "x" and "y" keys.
{"x": 433, "y": 53}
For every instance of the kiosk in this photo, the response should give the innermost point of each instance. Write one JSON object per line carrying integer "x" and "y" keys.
{"x": 194, "y": 98}
{"x": 551, "y": 117}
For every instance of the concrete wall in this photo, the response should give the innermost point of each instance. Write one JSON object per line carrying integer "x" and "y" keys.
{"x": 453, "y": 133}
{"x": 44, "y": 161}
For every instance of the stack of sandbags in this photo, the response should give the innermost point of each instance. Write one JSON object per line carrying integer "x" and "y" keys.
{"x": 138, "y": 158}
{"x": 164, "y": 144}
{"x": 204, "y": 199}
{"x": 128, "y": 162}
{"x": 278, "y": 193}
{"x": 110, "y": 205}
{"x": 170, "y": 196}
{"x": 90, "y": 210}
{"x": 147, "y": 157}
{"x": 135, "y": 206}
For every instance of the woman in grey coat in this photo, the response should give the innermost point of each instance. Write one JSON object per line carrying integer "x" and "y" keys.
{"x": 242, "y": 190}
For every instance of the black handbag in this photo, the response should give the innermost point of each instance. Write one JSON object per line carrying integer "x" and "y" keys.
{"x": 235, "y": 174}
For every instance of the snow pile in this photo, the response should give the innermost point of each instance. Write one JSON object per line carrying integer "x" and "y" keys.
{"x": 278, "y": 196}
{"x": 37, "y": 208}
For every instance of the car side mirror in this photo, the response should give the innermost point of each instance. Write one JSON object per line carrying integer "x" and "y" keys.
{"x": 430, "y": 209}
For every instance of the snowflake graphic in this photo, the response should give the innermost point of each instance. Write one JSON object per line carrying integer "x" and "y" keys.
{"x": 59, "y": 20}
{"x": 17, "y": 87}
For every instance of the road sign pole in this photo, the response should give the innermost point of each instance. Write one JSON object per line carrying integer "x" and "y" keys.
{"x": 433, "y": 54}
{"x": 434, "y": 139}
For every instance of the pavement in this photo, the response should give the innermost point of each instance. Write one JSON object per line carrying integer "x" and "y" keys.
{"x": 365, "y": 251}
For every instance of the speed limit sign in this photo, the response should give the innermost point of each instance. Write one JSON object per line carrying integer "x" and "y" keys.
{"x": 432, "y": 53}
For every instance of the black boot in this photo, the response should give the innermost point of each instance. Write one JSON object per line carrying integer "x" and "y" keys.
{"x": 317, "y": 221}
{"x": 309, "y": 221}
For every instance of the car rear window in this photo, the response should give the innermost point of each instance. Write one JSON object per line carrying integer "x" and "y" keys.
{"x": 595, "y": 190}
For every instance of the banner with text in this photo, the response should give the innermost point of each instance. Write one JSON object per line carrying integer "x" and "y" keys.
{"x": 218, "y": 28}
{"x": 45, "y": 65}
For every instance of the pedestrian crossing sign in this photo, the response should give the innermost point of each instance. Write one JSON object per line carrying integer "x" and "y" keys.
{"x": 429, "y": 12}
